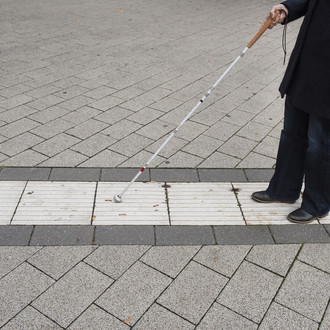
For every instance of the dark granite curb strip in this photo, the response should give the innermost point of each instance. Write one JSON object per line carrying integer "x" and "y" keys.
{"x": 126, "y": 174}
{"x": 162, "y": 235}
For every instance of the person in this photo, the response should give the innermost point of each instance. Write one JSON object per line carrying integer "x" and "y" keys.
{"x": 304, "y": 147}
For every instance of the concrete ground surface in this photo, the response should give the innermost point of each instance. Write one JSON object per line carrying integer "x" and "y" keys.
{"x": 88, "y": 91}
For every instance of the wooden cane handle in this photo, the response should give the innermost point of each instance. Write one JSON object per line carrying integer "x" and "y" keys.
{"x": 263, "y": 28}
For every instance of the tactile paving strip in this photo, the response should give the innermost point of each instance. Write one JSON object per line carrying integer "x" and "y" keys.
{"x": 10, "y": 194}
{"x": 56, "y": 203}
{"x": 203, "y": 204}
{"x": 142, "y": 204}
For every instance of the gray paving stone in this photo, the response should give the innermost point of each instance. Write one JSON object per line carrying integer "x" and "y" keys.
{"x": 87, "y": 129}
{"x": 276, "y": 258}
{"x": 238, "y": 117}
{"x": 159, "y": 318}
{"x": 305, "y": 290}
{"x": 56, "y": 144}
{"x": 75, "y": 174}
{"x": 49, "y": 114}
{"x": 254, "y": 131}
{"x": 219, "y": 160}
{"x": 316, "y": 255}
{"x": 107, "y": 103}
{"x": 115, "y": 260}
{"x": 170, "y": 259}
{"x": 233, "y": 147}
{"x": 173, "y": 175}
{"x": 76, "y": 103}
{"x": 145, "y": 116}
{"x": 122, "y": 175}
{"x": 287, "y": 234}
{"x": 267, "y": 147}
{"x": 222, "y": 259}
{"x": 156, "y": 129}
{"x": 121, "y": 129}
{"x": 170, "y": 149}
{"x": 131, "y": 144}
{"x": 165, "y": 105}
{"x": 325, "y": 324}
{"x": 220, "y": 317}
{"x": 222, "y": 131}
{"x": 125, "y": 235}
{"x": 55, "y": 261}
{"x": 141, "y": 158}
{"x": 66, "y": 158}
{"x": 19, "y": 144}
{"x": 62, "y": 235}
{"x": 221, "y": 175}
{"x": 52, "y": 128}
{"x": 129, "y": 93}
{"x": 202, "y": 146}
{"x": 181, "y": 160}
{"x": 114, "y": 115}
{"x": 192, "y": 293}
{"x": 30, "y": 318}
{"x": 71, "y": 92}
{"x": 42, "y": 91}
{"x": 93, "y": 144}
{"x": 12, "y": 257}
{"x": 253, "y": 160}
{"x": 15, "y": 235}
{"x": 184, "y": 235}
{"x": 16, "y": 113}
{"x": 81, "y": 115}
{"x": 242, "y": 235}
{"x": 105, "y": 158}
{"x": 13, "y": 297}
{"x": 191, "y": 130}
{"x": 250, "y": 291}
{"x": 259, "y": 175}
{"x": 72, "y": 294}
{"x": 46, "y": 102}
{"x": 280, "y": 317}
{"x": 24, "y": 174}
{"x": 15, "y": 101}
{"x": 96, "y": 318}
{"x": 131, "y": 295}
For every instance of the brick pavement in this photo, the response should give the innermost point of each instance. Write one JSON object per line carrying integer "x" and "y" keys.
{"x": 102, "y": 83}
{"x": 165, "y": 287}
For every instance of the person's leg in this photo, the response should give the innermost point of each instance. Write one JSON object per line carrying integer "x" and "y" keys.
{"x": 316, "y": 196}
{"x": 290, "y": 164}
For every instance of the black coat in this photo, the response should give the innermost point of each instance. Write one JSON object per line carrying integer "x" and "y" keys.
{"x": 307, "y": 78}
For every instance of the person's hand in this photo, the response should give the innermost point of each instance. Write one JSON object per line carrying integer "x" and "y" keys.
{"x": 277, "y": 15}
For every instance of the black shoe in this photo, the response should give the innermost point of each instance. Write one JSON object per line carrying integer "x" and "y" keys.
{"x": 263, "y": 197}
{"x": 301, "y": 216}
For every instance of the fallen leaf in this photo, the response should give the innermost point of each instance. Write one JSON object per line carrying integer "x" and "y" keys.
{"x": 94, "y": 217}
{"x": 122, "y": 214}
{"x": 108, "y": 200}
{"x": 128, "y": 320}
{"x": 152, "y": 181}
{"x": 156, "y": 205}
{"x": 120, "y": 10}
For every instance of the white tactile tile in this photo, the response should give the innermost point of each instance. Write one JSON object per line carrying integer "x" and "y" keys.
{"x": 203, "y": 204}
{"x": 325, "y": 221}
{"x": 56, "y": 203}
{"x": 10, "y": 194}
{"x": 262, "y": 213}
{"x": 143, "y": 204}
